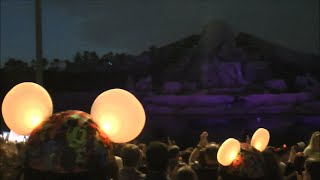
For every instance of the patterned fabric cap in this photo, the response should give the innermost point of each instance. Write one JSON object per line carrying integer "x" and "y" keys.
{"x": 248, "y": 164}
{"x": 68, "y": 142}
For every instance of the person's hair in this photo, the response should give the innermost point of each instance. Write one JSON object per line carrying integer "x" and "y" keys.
{"x": 312, "y": 139}
{"x": 130, "y": 155}
{"x": 157, "y": 156}
{"x": 211, "y": 151}
{"x": 313, "y": 168}
{"x": 186, "y": 173}
{"x": 272, "y": 168}
{"x": 142, "y": 147}
{"x": 173, "y": 151}
{"x": 185, "y": 156}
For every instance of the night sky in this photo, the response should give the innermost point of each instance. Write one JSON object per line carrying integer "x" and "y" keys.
{"x": 132, "y": 26}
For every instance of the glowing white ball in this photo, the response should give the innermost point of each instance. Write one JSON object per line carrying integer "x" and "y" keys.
{"x": 25, "y": 106}
{"x": 119, "y": 114}
{"x": 260, "y": 139}
{"x": 228, "y": 151}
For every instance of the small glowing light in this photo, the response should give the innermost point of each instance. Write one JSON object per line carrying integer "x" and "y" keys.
{"x": 5, "y": 135}
{"x": 258, "y": 145}
{"x": 109, "y": 124}
{"x": 228, "y": 151}
{"x": 233, "y": 156}
{"x": 260, "y": 139}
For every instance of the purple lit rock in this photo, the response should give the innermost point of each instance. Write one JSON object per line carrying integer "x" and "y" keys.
{"x": 155, "y": 109}
{"x": 258, "y": 71}
{"x": 275, "y": 99}
{"x": 194, "y": 100}
{"x": 172, "y": 87}
{"x": 276, "y": 84}
{"x": 222, "y": 75}
{"x": 144, "y": 84}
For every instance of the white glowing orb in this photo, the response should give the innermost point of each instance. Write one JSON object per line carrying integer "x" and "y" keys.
{"x": 119, "y": 114}
{"x": 228, "y": 151}
{"x": 260, "y": 139}
{"x": 25, "y": 106}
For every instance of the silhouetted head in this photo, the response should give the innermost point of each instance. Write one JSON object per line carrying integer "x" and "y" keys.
{"x": 157, "y": 156}
{"x": 131, "y": 155}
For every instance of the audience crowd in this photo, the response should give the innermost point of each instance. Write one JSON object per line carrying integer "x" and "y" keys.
{"x": 167, "y": 161}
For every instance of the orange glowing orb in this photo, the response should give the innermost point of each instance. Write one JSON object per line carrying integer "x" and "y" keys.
{"x": 260, "y": 139}
{"x": 119, "y": 114}
{"x": 25, "y": 106}
{"x": 228, "y": 151}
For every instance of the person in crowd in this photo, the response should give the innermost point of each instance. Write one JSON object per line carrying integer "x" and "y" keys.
{"x": 142, "y": 166}
{"x": 186, "y": 173}
{"x": 69, "y": 145}
{"x": 174, "y": 159}
{"x": 312, "y": 171}
{"x": 272, "y": 168}
{"x": 295, "y": 165}
{"x": 283, "y": 155}
{"x": 203, "y": 159}
{"x": 313, "y": 149}
{"x": 157, "y": 157}
{"x": 185, "y": 155}
{"x": 131, "y": 156}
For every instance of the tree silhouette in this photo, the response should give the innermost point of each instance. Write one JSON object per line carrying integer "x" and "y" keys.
{"x": 44, "y": 63}
{"x": 77, "y": 58}
{"x": 15, "y": 65}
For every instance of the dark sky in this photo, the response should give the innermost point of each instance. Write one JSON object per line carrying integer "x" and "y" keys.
{"x": 133, "y": 25}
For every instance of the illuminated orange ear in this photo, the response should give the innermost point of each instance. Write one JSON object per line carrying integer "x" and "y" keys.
{"x": 228, "y": 151}
{"x": 25, "y": 106}
{"x": 260, "y": 139}
{"x": 119, "y": 114}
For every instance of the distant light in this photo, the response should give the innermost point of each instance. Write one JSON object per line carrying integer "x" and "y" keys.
{"x": 5, "y": 135}
{"x": 258, "y": 119}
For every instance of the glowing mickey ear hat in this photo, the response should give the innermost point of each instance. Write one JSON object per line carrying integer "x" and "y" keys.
{"x": 230, "y": 148}
{"x": 25, "y": 106}
{"x": 117, "y": 112}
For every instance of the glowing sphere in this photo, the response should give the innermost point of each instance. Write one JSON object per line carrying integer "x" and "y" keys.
{"x": 25, "y": 106}
{"x": 228, "y": 151}
{"x": 260, "y": 139}
{"x": 119, "y": 114}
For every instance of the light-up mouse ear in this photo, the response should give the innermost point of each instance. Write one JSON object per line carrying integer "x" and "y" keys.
{"x": 119, "y": 114}
{"x": 228, "y": 151}
{"x": 25, "y": 106}
{"x": 260, "y": 139}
